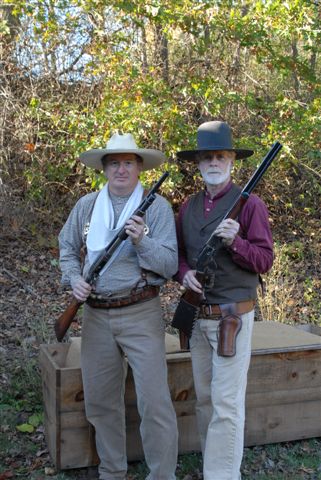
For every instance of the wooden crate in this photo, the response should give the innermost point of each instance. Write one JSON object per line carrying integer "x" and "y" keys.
{"x": 70, "y": 438}
{"x": 283, "y": 399}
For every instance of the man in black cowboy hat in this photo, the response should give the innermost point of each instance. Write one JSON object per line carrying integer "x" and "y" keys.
{"x": 122, "y": 315}
{"x": 220, "y": 382}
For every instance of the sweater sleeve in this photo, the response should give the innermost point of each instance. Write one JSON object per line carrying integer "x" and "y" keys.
{"x": 157, "y": 251}
{"x": 183, "y": 265}
{"x": 71, "y": 241}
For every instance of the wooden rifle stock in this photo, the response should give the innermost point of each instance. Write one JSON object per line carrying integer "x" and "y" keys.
{"x": 192, "y": 297}
{"x": 189, "y": 297}
{"x": 188, "y": 307}
{"x": 65, "y": 320}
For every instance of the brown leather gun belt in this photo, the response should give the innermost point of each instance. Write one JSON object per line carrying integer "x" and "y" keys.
{"x": 213, "y": 312}
{"x": 145, "y": 293}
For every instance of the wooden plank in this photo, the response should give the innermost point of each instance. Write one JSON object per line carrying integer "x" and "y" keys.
{"x": 49, "y": 380}
{"x": 73, "y": 355}
{"x": 69, "y": 420}
{"x": 134, "y": 446}
{"x": 275, "y": 337}
{"x": 71, "y": 390}
{"x": 308, "y": 327}
{"x": 296, "y": 370}
{"x": 280, "y": 423}
{"x": 188, "y": 439}
{"x": 180, "y": 381}
{"x": 282, "y": 397}
{"x": 185, "y": 408}
{"x": 57, "y": 353}
{"x": 78, "y": 448}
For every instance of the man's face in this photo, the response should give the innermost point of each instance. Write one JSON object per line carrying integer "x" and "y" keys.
{"x": 216, "y": 166}
{"x": 122, "y": 171}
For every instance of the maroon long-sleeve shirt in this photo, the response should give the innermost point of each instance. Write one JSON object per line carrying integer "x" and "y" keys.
{"x": 252, "y": 248}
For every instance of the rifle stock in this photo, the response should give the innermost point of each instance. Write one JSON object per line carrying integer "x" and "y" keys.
{"x": 192, "y": 297}
{"x": 64, "y": 321}
{"x": 188, "y": 307}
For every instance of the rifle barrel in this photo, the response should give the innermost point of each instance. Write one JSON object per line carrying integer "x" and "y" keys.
{"x": 266, "y": 162}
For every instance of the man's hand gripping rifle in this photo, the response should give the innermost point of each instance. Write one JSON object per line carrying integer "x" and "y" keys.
{"x": 64, "y": 321}
{"x": 188, "y": 308}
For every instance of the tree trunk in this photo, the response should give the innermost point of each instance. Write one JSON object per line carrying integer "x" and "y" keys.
{"x": 161, "y": 49}
{"x": 13, "y": 24}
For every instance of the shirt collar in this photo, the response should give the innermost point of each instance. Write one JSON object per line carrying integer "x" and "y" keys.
{"x": 221, "y": 193}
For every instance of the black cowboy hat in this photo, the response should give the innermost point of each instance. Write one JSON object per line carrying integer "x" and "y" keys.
{"x": 213, "y": 136}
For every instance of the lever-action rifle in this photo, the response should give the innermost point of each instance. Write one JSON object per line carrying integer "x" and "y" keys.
{"x": 64, "y": 321}
{"x": 188, "y": 308}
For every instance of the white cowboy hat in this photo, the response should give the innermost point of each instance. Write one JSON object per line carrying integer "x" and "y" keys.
{"x": 122, "y": 144}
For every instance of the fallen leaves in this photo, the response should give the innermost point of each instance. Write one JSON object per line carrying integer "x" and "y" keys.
{"x": 7, "y": 474}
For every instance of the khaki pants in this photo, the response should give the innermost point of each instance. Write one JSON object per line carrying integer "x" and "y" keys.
{"x": 220, "y": 385}
{"x": 137, "y": 331}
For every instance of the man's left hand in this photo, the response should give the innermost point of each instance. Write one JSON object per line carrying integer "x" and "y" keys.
{"x": 227, "y": 231}
{"x": 135, "y": 229}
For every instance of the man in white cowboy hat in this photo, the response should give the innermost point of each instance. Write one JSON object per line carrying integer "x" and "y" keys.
{"x": 220, "y": 381}
{"x": 122, "y": 314}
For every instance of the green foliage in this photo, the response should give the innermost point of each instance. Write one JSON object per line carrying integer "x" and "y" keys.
{"x": 115, "y": 89}
{"x": 20, "y": 411}
{"x": 25, "y": 387}
{"x": 33, "y": 422}
{"x": 83, "y": 69}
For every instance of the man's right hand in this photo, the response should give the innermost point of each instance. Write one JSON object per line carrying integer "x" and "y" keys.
{"x": 190, "y": 281}
{"x": 81, "y": 290}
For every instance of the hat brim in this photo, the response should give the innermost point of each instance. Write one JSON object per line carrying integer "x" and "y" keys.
{"x": 191, "y": 154}
{"x": 151, "y": 158}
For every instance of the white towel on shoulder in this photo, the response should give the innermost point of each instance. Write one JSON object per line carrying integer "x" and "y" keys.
{"x": 101, "y": 228}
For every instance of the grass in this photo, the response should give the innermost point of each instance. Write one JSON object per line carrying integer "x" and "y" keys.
{"x": 291, "y": 460}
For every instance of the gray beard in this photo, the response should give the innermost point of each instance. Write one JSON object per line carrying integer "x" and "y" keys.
{"x": 215, "y": 179}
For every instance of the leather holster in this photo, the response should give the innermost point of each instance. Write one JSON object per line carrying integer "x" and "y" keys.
{"x": 229, "y": 327}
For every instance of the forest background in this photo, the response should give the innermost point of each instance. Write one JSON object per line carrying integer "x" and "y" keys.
{"x": 73, "y": 72}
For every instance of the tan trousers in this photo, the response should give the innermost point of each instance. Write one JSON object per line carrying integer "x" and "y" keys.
{"x": 220, "y": 385}
{"x": 137, "y": 331}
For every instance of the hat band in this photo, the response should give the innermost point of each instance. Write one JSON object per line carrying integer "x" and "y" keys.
{"x": 215, "y": 147}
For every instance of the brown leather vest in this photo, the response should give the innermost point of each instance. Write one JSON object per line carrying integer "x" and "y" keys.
{"x": 232, "y": 283}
